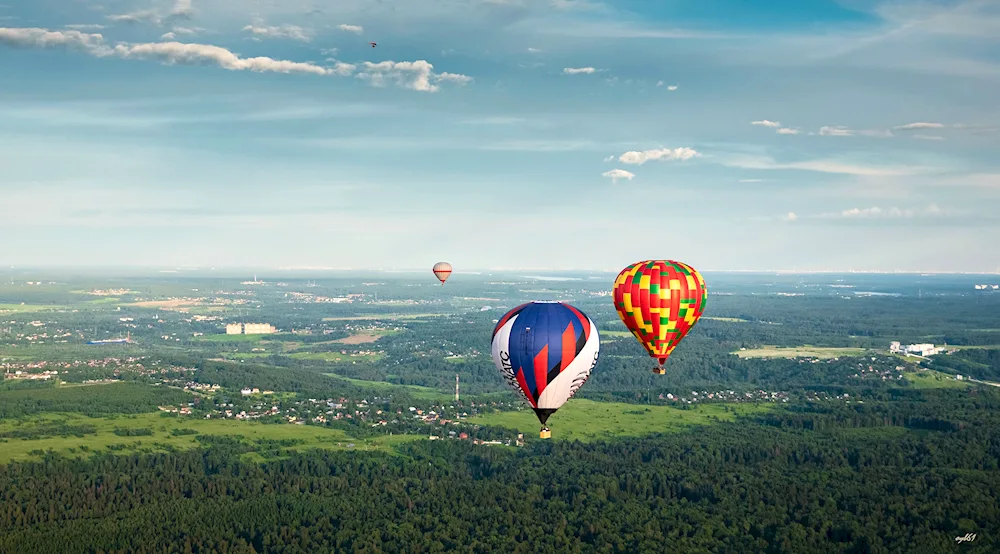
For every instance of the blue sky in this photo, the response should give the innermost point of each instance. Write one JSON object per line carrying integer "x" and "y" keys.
{"x": 546, "y": 134}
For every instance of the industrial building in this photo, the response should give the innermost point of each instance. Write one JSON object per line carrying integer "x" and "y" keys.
{"x": 917, "y": 349}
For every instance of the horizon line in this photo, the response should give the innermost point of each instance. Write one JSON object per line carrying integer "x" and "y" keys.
{"x": 470, "y": 271}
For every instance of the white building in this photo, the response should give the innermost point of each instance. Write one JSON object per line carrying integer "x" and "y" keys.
{"x": 924, "y": 349}
{"x": 258, "y": 329}
{"x": 234, "y": 329}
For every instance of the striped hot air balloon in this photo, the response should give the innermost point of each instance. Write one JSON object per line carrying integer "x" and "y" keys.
{"x": 545, "y": 351}
{"x": 442, "y": 270}
{"x": 660, "y": 301}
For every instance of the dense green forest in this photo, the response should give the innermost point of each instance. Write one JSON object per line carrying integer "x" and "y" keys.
{"x": 863, "y": 451}
{"x": 907, "y": 474}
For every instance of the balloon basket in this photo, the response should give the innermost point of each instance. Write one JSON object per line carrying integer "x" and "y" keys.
{"x": 545, "y": 433}
{"x": 659, "y": 371}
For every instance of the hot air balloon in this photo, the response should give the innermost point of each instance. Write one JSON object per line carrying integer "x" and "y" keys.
{"x": 660, "y": 301}
{"x": 546, "y": 351}
{"x": 442, "y": 270}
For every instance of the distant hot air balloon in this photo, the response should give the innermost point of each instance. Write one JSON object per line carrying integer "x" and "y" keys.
{"x": 660, "y": 301}
{"x": 442, "y": 270}
{"x": 546, "y": 351}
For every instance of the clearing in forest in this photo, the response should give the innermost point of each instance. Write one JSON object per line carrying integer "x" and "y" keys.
{"x": 586, "y": 420}
{"x": 174, "y": 432}
{"x": 807, "y": 351}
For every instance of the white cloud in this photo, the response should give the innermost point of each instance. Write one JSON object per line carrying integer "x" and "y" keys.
{"x": 837, "y": 131}
{"x": 610, "y": 158}
{"x": 919, "y": 125}
{"x": 182, "y": 8}
{"x": 791, "y": 216}
{"x": 893, "y": 212}
{"x": 168, "y": 36}
{"x": 766, "y": 123}
{"x": 357, "y": 29}
{"x": 659, "y": 83}
{"x": 822, "y": 166}
{"x": 293, "y": 32}
{"x": 418, "y": 75}
{"x": 186, "y": 30}
{"x": 878, "y": 133}
{"x": 787, "y": 131}
{"x": 44, "y": 38}
{"x": 672, "y": 88}
{"x": 927, "y": 137}
{"x": 138, "y": 16}
{"x": 578, "y": 70}
{"x": 616, "y": 174}
{"x": 196, "y": 54}
{"x": 533, "y": 50}
{"x": 85, "y": 27}
{"x": 751, "y": 180}
{"x": 665, "y": 154}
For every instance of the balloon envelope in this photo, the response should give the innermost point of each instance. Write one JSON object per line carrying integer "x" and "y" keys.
{"x": 442, "y": 270}
{"x": 546, "y": 351}
{"x": 660, "y": 301}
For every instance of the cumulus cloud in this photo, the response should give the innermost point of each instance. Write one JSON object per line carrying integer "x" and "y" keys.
{"x": 34, "y": 37}
{"x": 186, "y": 30}
{"x": 672, "y": 88}
{"x": 665, "y": 154}
{"x": 838, "y": 131}
{"x": 919, "y": 125}
{"x": 766, "y": 123}
{"x": 578, "y": 70}
{"x": 357, "y": 29}
{"x": 791, "y": 216}
{"x": 205, "y": 54}
{"x": 418, "y": 75}
{"x": 168, "y": 36}
{"x": 293, "y": 32}
{"x": 616, "y": 174}
{"x": 787, "y": 131}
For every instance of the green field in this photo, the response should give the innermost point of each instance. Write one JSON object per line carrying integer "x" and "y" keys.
{"x": 30, "y": 308}
{"x": 806, "y": 351}
{"x": 309, "y": 436}
{"x": 614, "y": 333}
{"x": 729, "y": 319}
{"x": 425, "y": 393}
{"x": 334, "y": 356}
{"x": 585, "y": 420}
{"x": 382, "y": 316}
{"x": 930, "y": 379}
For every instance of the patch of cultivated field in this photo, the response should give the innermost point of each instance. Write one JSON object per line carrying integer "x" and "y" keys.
{"x": 581, "y": 419}
{"x": 807, "y": 351}
{"x": 98, "y": 434}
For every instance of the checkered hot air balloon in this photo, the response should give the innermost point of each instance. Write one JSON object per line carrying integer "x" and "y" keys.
{"x": 660, "y": 301}
{"x": 545, "y": 351}
{"x": 442, "y": 270}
